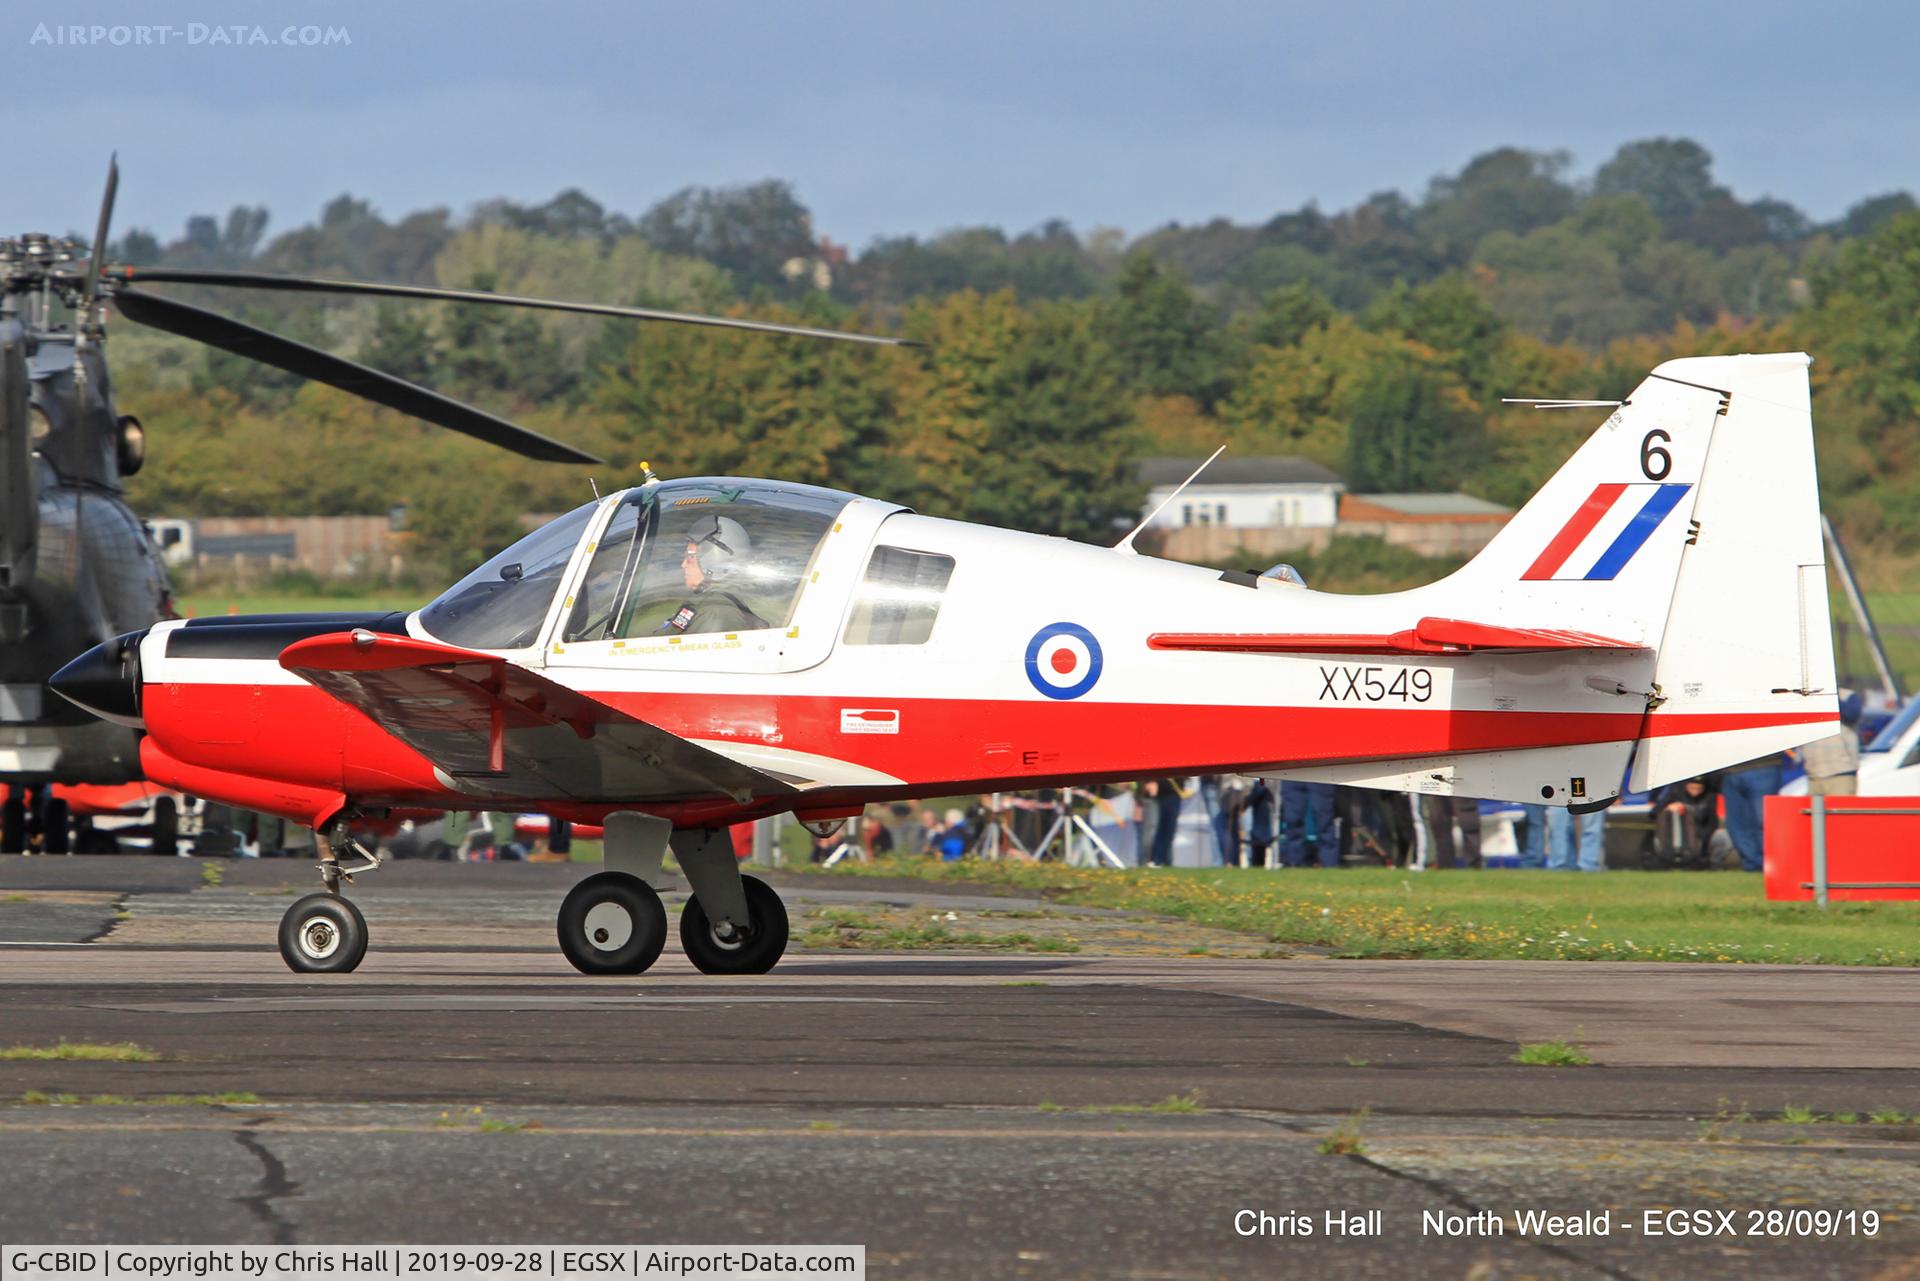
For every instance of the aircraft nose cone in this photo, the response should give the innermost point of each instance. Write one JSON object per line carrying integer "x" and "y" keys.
{"x": 105, "y": 680}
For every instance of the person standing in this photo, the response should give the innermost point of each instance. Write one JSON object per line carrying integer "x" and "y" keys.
{"x": 1442, "y": 813}
{"x": 1745, "y": 787}
{"x": 1562, "y": 825}
{"x": 1167, "y": 801}
{"x": 1260, "y": 825}
{"x": 1306, "y": 814}
{"x": 1833, "y": 762}
{"x": 1533, "y": 837}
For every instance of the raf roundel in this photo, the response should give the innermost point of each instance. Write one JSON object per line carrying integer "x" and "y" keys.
{"x": 1063, "y": 660}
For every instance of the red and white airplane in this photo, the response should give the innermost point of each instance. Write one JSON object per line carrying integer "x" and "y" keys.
{"x": 688, "y": 654}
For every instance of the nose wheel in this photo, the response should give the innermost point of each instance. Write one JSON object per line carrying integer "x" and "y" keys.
{"x": 612, "y": 923}
{"x": 323, "y": 934}
{"x": 752, "y": 949}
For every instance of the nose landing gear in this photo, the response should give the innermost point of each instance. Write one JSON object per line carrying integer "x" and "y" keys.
{"x": 324, "y": 933}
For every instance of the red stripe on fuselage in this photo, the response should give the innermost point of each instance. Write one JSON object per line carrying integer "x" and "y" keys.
{"x": 299, "y": 734}
{"x": 1597, "y": 505}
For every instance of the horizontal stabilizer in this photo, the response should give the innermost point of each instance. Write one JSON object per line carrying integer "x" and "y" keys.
{"x": 1428, "y": 636}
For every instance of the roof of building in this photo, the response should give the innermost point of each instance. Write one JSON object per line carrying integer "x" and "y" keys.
{"x": 1423, "y": 506}
{"x": 1272, "y": 469}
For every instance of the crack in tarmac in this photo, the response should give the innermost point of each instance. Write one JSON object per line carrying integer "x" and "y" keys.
{"x": 274, "y": 1186}
{"x": 1460, "y": 1199}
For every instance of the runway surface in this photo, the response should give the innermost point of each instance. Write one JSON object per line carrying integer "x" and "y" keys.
{"x": 1100, "y": 1113}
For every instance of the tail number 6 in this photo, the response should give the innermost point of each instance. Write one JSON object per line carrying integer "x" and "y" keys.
{"x": 1656, "y": 462}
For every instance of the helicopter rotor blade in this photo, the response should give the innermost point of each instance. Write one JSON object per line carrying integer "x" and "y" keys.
{"x": 98, "y": 261}
{"x": 370, "y": 384}
{"x": 310, "y": 284}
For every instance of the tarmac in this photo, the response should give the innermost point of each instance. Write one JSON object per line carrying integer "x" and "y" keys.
{"x": 977, "y": 1112}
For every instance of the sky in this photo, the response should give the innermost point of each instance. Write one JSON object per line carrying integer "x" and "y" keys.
{"x": 901, "y": 118}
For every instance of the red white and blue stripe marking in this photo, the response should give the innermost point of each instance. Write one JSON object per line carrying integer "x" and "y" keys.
{"x": 1606, "y": 532}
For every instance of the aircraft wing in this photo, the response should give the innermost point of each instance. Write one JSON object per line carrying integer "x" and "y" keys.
{"x": 497, "y": 729}
{"x": 1428, "y": 636}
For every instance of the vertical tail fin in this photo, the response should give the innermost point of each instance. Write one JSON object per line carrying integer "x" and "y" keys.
{"x": 1689, "y": 523}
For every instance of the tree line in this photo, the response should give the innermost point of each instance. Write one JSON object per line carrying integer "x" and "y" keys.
{"x": 1377, "y": 340}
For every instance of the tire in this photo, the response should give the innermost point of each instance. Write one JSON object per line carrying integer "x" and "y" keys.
{"x": 166, "y": 826}
{"x": 56, "y": 827}
{"x": 760, "y": 950}
{"x": 612, "y": 923}
{"x": 323, "y": 934}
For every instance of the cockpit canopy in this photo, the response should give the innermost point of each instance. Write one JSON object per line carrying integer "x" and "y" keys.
{"x": 680, "y": 557}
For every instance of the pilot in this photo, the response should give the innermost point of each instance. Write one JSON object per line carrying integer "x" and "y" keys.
{"x": 717, "y": 549}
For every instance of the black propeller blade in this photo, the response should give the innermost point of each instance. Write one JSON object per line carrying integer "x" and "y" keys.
{"x": 307, "y": 284}
{"x": 298, "y": 358}
{"x": 98, "y": 262}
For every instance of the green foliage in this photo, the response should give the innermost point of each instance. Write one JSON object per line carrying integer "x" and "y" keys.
{"x": 1412, "y": 425}
{"x": 1552, "y": 1054}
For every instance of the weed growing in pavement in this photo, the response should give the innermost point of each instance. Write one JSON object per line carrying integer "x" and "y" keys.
{"x": 1345, "y": 1139}
{"x": 1552, "y": 1054}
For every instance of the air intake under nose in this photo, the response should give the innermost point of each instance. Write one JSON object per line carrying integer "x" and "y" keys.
{"x": 105, "y": 680}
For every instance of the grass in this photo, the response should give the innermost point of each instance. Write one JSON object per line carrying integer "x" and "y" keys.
{"x": 1172, "y": 1105}
{"x": 121, "y": 1052}
{"x": 851, "y": 930}
{"x": 1345, "y": 1139}
{"x": 225, "y": 1097}
{"x": 211, "y": 874}
{"x": 201, "y": 602}
{"x": 1888, "y": 1116}
{"x": 1494, "y": 914}
{"x": 1552, "y": 1054}
{"x": 1792, "y": 1115}
{"x": 16, "y": 898}
{"x": 493, "y": 1125}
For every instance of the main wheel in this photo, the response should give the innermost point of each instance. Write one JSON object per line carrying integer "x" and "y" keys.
{"x": 753, "y": 950}
{"x": 323, "y": 934}
{"x": 612, "y": 923}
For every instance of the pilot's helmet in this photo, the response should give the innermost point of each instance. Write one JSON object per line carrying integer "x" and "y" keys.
{"x": 721, "y": 544}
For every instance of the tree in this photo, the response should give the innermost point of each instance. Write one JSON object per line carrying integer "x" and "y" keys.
{"x": 1870, "y": 214}
{"x": 1673, "y": 175}
{"x": 1288, "y": 314}
{"x": 751, "y": 231}
{"x": 402, "y": 344}
{"x": 1166, "y": 341}
{"x": 1413, "y": 426}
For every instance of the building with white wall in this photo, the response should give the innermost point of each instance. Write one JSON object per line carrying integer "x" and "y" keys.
{"x": 1245, "y": 493}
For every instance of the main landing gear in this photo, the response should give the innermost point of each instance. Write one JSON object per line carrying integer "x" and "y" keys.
{"x": 614, "y": 923}
{"x": 610, "y": 923}
{"x": 324, "y": 933}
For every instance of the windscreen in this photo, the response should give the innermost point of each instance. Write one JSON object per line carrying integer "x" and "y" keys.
{"x": 502, "y": 604}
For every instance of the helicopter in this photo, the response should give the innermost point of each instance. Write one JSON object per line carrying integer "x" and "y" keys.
{"x": 77, "y": 565}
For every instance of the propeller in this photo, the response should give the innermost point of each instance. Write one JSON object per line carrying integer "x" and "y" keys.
{"x": 313, "y": 285}
{"x": 297, "y": 358}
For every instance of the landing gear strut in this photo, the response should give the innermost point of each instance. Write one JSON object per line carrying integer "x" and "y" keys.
{"x": 324, "y": 933}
